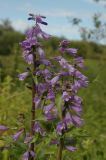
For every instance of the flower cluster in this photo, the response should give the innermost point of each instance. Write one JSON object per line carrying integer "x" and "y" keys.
{"x": 69, "y": 80}
{"x": 34, "y": 54}
{"x": 48, "y": 84}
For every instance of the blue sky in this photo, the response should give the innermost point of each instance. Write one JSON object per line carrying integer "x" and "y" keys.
{"x": 56, "y": 11}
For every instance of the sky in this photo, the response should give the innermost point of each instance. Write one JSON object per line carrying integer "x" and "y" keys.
{"x": 56, "y": 11}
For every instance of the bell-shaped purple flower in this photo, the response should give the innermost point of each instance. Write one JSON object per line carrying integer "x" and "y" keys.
{"x": 61, "y": 127}
{"x": 45, "y": 62}
{"x": 79, "y": 61}
{"x": 28, "y": 58}
{"x": 73, "y": 119}
{"x": 76, "y": 86}
{"x": 61, "y": 49}
{"x": 18, "y": 134}
{"x": 71, "y": 148}
{"x": 23, "y": 76}
{"x": 50, "y": 112}
{"x": 41, "y": 52}
{"x": 63, "y": 63}
{"x": 45, "y": 73}
{"x": 27, "y": 154}
{"x": 64, "y": 43}
{"x": 41, "y": 88}
{"x": 37, "y": 101}
{"x": 77, "y": 121}
{"x": 45, "y": 36}
{"x": 65, "y": 96}
{"x": 54, "y": 141}
{"x": 38, "y": 129}
{"x": 77, "y": 100}
{"x": 28, "y": 43}
{"x": 71, "y": 51}
{"x": 51, "y": 95}
{"x": 3, "y": 128}
{"x": 54, "y": 80}
{"x": 77, "y": 109}
{"x": 71, "y": 69}
{"x": 28, "y": 138}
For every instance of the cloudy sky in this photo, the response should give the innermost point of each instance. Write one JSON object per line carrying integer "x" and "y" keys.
{"x": 56, "y": 11}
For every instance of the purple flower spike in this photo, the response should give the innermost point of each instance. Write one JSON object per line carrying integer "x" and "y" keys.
{"x": 23, "y": 76}
{"x": 18, "y": 134}
{"x": 71, "y": 148}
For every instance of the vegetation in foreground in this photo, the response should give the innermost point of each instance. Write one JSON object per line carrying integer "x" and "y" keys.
{"x": 92, "y": 144}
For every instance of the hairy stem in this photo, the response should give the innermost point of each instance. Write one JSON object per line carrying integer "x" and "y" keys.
{"x": 32, "y": 147}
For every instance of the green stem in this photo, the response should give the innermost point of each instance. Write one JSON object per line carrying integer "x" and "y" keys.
{"x": 60, "y": 149}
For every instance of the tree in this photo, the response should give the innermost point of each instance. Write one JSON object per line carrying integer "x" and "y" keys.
{"x": 98, "y": 32}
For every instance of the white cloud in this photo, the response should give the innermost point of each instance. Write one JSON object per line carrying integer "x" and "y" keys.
{"x": 20, "y": 25}
{"x": 103, "y": 2}
{"x": 58, "y": 13}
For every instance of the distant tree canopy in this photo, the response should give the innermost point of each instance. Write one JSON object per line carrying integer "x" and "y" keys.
{"x": 8, "y": 37}
{"x": 97, "y": 32}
